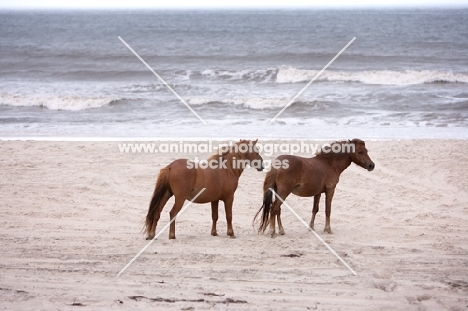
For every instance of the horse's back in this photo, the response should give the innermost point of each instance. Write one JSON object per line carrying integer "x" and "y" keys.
{"x": 289, "y": 169}
{"x": 304, "y": 176}
{"x": 187, "y": 179}
{"x": 181, "y": 166}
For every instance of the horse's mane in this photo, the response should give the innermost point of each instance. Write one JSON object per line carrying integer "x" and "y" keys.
{"x": 231, "y": 149}
{"x": 355, "y": 141}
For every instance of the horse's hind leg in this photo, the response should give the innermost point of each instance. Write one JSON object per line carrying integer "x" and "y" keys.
{"x": 275, "y": 207}
{"x": 179, "y": 202}
{"x": 214, "y": 217}
{"x": 275, "y": 212}
{"x": 280, "y": 224}
{"x": 315, "y": 210}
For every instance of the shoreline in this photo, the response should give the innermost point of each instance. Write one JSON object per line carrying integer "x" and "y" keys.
{"x": 190, "y": 139}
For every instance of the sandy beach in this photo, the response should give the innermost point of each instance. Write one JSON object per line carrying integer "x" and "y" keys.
{"x": 72, "y": 215}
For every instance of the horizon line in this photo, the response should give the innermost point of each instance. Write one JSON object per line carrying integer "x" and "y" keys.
{"x": 241, "y": 8}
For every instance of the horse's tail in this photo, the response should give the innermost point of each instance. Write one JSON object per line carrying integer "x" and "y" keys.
{"x": 270, "y": 182}
{"x": 162, "y": 186}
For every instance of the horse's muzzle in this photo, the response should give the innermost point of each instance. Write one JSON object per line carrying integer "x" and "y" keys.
{"x": 370, "y": 167}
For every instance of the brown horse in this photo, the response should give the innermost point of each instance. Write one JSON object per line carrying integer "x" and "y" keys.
{"x": 184, "y": 179}
{"x": 306, "y": 177}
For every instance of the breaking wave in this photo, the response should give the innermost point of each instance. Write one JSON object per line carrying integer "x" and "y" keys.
{"x": 70, "y": 103}
{"x": 381, "y": 77}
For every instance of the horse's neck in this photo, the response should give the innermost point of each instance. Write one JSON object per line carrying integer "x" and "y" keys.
{"x": 232, "y": 163}
{"x": 340, "y": 162}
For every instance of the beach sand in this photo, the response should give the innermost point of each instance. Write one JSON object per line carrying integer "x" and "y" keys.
{"x": 72, "y": 214}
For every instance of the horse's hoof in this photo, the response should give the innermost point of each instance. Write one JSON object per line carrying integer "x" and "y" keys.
{"x": 327, "y": 230}
{"x": 150, "y": 237}
{"x": 172, "y": 237}
{"x": 273, "y": 235}
{"x": 232, "y": 236}
{"x": 214, "y": 233}
{"x": 281, "y": 232}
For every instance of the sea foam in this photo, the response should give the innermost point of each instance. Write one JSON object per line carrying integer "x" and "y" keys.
{"x": 70, "y": 102}
{"x": 383, "y": 77}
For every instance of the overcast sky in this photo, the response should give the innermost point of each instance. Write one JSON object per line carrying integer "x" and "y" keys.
{"x": 224, "y": 4}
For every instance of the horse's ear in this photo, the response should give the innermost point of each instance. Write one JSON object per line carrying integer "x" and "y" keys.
{"x": 358, "y": 141}
{"x": 255, "y": 141}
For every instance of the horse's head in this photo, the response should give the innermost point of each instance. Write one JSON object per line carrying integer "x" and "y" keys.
{"x": 360, "y": 156}
{"x": 249, "y": 152}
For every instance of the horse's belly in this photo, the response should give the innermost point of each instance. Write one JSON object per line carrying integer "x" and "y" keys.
{"x": 305, "y": 190}
{"x": 202, "y": 200}
{"x": 208, "y": 195}
{"x": 212, "y": 192}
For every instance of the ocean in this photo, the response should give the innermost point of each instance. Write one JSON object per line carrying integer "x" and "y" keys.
{"x": 67, "y": 74}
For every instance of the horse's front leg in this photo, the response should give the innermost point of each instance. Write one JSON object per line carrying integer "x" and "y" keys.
{"x": 228, "y": 208}
{"x": 328, "y": 200}
{"x": 214, "y": 217}
{"x": 315, "y": 210}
